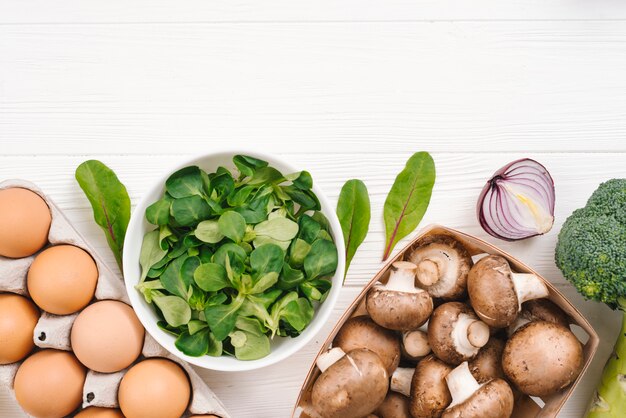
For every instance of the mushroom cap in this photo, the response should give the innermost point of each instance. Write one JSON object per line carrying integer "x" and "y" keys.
{"x": 487, "y": 364}
{"x": 362, "y": 332}
{"x": 440, "y": 327}
{"x": 545, "y": 310}
{"x": 493, "y": 400}
{"x": 491, "y": 291}
{"x": 353, "y": 387}
{"x": 449, "y": 262}
{"x": 429, "y": 391}
{"x": 399, "y": 311}
{"x": 542, "y": 358}
{"x": 395, "y": 405}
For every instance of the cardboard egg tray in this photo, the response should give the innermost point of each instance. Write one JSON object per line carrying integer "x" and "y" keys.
{"x": 525, "y": 407}
{"x": 53, "y": 331}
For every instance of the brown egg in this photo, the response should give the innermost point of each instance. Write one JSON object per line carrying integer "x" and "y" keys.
{"x": 24, "y": 222}
{"x": 18, "y": 317}
{"x": 204, "y": 416}
{"x": 93, "y": 412}
{"x": 49, "y": 384}
{"x": 107, "y": 336}
{"x": 155, "y": 388}
{"x": 62, "y": 279}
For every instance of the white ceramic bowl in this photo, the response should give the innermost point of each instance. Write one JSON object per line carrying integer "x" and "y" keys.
{"x": 282, "y": 347}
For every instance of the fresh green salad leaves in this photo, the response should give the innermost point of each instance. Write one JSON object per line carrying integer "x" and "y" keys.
{"x": 353, "y": 210}
{"x": 408, "y": 199}
{"x": 236, "y": 258}
{"x": 109, "y": 200}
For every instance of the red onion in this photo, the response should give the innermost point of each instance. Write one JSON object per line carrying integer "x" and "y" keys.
{"x": 518, "y": 201}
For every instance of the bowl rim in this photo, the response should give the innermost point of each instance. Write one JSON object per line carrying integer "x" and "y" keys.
{"x": 136, "y": 226}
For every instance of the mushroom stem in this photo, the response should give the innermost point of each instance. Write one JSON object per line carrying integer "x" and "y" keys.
{"x": 520, "y": 321}
{"x": 461, "y": 384}
{"x": 528, "y": 287}
{"x": 402, "y": 277}
{"x": 469, "y": 334}
{"x": 478, "y": 333}
{"x": 415, "y": 343}
{"x": 428, "y": 272}
{"x": 401, "y": 380}
{"x": 329, "y": 358}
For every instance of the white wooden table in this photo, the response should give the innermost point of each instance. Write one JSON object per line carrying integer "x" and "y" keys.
{"x": 346, "y": 89}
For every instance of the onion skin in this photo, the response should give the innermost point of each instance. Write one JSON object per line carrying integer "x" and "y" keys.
{"x": 530, "y": 174}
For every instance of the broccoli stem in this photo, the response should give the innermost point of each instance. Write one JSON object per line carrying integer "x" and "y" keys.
{"x": 609, "y": 400}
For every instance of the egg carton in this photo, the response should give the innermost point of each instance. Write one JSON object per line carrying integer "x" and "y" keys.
{"x": 525, "y": 406}
{"x": 53, "y": 331}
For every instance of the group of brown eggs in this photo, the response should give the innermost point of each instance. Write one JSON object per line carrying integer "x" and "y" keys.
{"x": 106, "y": 335}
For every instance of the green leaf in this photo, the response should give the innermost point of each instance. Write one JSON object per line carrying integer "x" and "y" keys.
{"x": 264, "y": 261}
{"x": 256, "y": 347}
{"x": 194, "y": 345}
{"x": 298, "y": 313}
{"x": 266, "y": 175}
{"x": 146, "y": 288}
{"x": 222, "y": 318}
{"x": 263, "y": 240}
{"x": 309, "y": 229}
{"x": 211, "y": 277}
{"x": 321, "y": 260}
{"x": 298, "y": 252}
{"x": 189, "y": 211}
{"x": 264, "y": 282}
{"x": 408, "y": 199}
{"x": 172, "y": 279}
{"x": 209, "y": 231}
{"x": 248, "y": 165}
{"x": 196, "y": 325}
{"x": 187, "y": 270}
{"x": 305, "y": 198}
{"x": 354, "y": 212}
{"x": 175, "y": 310}
{"x": 316, "y": 290}
{"x": 109, "y": 201}
{"x": 185, "y": 182}
{"x": 290, "y": 278}
{"x": 301, "y": 180}
{"x": 232, "y": 225}
{"x": 215, "y": 346}
{"x": 151, "y": 253}
{"x": 240, "y": 196}
{"x": 279, "y": 228}
{"x": 234, "y": 252}
{"x": 158, "y": 213}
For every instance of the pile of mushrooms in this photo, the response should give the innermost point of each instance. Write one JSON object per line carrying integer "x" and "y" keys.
{"x": 446, "y": 337}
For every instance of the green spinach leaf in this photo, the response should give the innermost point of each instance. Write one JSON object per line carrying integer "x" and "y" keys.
{"x": 408, "y": 199}
{"x": 109, "y": 201}
{"x": 354, "y": 212}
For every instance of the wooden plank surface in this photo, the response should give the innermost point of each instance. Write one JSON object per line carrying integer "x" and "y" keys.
{"x": 344, "y": 89}
{"x": 455, "y": 86}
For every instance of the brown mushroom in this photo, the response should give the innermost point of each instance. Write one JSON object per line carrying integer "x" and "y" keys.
{"x": 430, "y": 392}
{"x": 455, "y": 334}
{"x": 398, "y": 304}
{"x": 487, "y": 364}
{"x": 539, "y": 310}
{"x": 351, "y": 385}
{"x": 395, "y": 405}
{"x": 442, "y": 266}
{"x": 362, "y": 332}
{"x": 542, "y": 358}
{"x": 497, "y": 293}
{"x": 492, "y": 399}
{"x": 415, "y": 344}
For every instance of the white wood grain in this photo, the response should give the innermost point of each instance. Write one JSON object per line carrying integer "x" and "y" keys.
{"x": 93, "y": 11}
{"x": 291, "y": 87}
{"x": 460, "y": 177}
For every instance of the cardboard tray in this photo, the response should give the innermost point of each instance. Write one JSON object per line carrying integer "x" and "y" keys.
{"x": 525, "y": 407}
{"x": 53, "y": 331}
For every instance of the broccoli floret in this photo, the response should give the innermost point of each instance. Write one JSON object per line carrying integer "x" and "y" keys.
{"x": 591, "y": 248}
